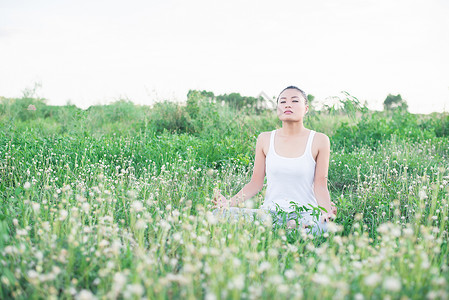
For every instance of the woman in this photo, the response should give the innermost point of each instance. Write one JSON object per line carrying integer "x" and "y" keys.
{"x": 296, "y": 162}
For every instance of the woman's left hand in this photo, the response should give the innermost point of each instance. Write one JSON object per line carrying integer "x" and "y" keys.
{"x": 333, "y": 208}
{"x": 327, "y": 217}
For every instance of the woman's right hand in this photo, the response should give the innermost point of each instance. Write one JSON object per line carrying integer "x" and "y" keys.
{"x": 219, "y": 200}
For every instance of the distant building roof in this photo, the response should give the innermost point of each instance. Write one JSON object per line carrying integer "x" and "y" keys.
{"x": 268, "y": 101}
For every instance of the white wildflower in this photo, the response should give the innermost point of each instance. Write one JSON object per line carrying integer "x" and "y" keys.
{"x": 425, "y": 264}
{"x": 46, "y": 226}
{"x": 39, "y": 255}
{"x": 141, "y": 224}
{"x": 5, "y": 280}
{"x": 63, "y": 214}
{"x": 239, "y": 282}
{"x": 32, "y": 274}
{"x": 56, "y": 270}
{"x": 267, "y": 220}
{"x": 21, "y": 232}
{"x": 210, "y": 172}
{"x": 249, "y": 203}
{"x": 383, "y": 228}
{"x": 392, "y": 284}
{"x": 264, "y": 266}
{"x": 36, "y": 207}
{"x": 80, "y": 198}
{"x": 422, "y": 195}
{"x": 203, "y": 251}
{"x": 276, "y": 279}
{"x": 333, "y": 227}
{"x": 408, "y": 231}
{"x": 210, "y": 296}
{"x": 211, "y": 219}
{"x": 290, "y": 274}
{"x": 131, "y": 193}
{"x": 321, "y": 279}
{"x": 85, "y": 295}
{"x": 175, "y": 213}
{"x": 255, "y": 291}
{"x": 396, "y": 231}
{"x": 358, "y": 296}
{"x": 119, "y": 281}
{"x": 282, "y": 288}
{"x": 106, "y": 219}
{"x": 85, "y": 207}
{"x": 103, "y": 243}
{"x": 177, "y": 236}
{"x": 165, "y": 225}
{"x": 115, "y": 247}
{"x": 9, "y": 250}
{"x": 66, "y": 187}
{"x": 134, "y": 289}
{"x": 27, "y": 185}
{"x": 372, "y": 279}
{"x": 137, "y": 206}
{"x": 272, "y": 252}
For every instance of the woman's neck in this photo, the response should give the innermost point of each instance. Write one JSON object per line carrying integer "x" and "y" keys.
{"x": 293, "y": 128}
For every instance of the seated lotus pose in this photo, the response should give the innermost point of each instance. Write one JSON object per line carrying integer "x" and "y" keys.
{"x": 296, "y": 162}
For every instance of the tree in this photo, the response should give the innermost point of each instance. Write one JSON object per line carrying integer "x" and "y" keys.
{"x": 310, "y": 99}
{"x": 237, "y": 101}
{"x": 202, "y": 93}
{"x": 395, "y": 102}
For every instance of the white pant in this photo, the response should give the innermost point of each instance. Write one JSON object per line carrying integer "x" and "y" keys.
{"x": 316, "y": 227}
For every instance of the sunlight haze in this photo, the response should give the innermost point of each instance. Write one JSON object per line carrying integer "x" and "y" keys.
{"x": 95, "y": 52}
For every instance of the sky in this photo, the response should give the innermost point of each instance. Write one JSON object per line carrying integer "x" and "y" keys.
{"x": 96, "y": 52}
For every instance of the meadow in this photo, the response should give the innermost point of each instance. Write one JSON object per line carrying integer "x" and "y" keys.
{"x": 114, "y": 202}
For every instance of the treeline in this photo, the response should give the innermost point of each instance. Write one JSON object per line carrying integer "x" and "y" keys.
{"x": 205, "y": 115}
{"x": 201, "y": 114}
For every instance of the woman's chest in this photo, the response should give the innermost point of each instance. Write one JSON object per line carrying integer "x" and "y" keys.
{"x": 290, "y": 147}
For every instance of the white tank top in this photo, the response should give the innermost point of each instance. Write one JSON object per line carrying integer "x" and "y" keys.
{"x": 289, "y": 179}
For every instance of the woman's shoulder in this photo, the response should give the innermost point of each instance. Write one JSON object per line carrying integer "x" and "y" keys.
{"x": 321, "y": 139}
{"x": 320, "y": 135}
{"x": 264, "y": 136}
{"x": 263, "y": 140}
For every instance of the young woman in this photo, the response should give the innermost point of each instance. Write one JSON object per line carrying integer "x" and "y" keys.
{"x": 296, "y": 161}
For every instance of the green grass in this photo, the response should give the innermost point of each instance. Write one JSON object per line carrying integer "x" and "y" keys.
{"x": 115, "y": 202}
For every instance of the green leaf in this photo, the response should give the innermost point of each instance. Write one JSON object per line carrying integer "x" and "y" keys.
{"x": 18, "y": 191}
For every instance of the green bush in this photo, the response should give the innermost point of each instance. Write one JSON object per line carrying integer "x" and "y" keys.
{"x": 169, "y": 116}
{"x": 376, "y": 127}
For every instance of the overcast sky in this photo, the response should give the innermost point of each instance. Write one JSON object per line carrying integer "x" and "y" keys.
{"x": 95, "y": 52}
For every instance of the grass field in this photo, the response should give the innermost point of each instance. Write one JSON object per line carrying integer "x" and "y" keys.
{"x": 115, "y": 202}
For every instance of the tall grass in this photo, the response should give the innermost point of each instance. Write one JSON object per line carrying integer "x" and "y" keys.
{"x": 115, "y": 202}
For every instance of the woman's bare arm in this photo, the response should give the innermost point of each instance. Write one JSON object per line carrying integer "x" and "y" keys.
{"x": 321, "y": 172}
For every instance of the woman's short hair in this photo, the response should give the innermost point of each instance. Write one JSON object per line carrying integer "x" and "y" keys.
{"x": 292, "y": 87}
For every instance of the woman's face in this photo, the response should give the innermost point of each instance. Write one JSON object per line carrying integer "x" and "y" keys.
{"x": 291, "y": 106}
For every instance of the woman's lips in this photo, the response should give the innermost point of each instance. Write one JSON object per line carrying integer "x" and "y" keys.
{"x": 288, "y": 112}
